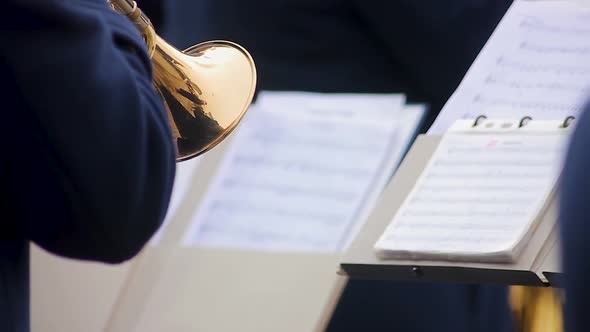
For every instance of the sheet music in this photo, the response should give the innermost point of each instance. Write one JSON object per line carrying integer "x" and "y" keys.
{"x": 302, "y": 171}
{"x": 479, "y": 196}
{"x": 537, "y": 63}
{"x": 182, "y": 185}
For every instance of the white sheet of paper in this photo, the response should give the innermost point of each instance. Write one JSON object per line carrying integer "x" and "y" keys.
{"x": 302, "y": 170}
{"x": 536, "y": 63}
{"x": 479, "y": 195}
{"x": 182, "y": 183}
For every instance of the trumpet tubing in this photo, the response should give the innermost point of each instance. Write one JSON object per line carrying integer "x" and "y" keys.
{"x": 206, "y": 88}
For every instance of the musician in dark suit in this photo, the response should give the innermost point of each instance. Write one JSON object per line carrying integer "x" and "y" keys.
{"x": 574, "y": 220}
{"x": 87, "y": 160}
{"x": 421, "y": 48}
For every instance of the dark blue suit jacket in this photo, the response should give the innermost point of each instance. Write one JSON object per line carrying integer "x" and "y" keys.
{"x": 575, "y": 227}
{"x": 87, "y": 159}
{"x": 419, "y": 47}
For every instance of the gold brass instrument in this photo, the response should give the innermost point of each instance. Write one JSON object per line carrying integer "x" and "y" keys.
{"x": 206, "y": 88}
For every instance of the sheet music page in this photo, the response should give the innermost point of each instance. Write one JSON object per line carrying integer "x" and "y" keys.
{"x": 301, "y": 171}
{"x": 536, "y": 63}
{"x": 478, "y": 197}
{"x": 182, "y": 183}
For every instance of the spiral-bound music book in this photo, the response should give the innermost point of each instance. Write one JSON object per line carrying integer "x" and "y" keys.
{"x": 485, "y": 185}
{"x": 474, "y": 200}
{"x": 474, "y": 250}
{"x": 481, "y": 194}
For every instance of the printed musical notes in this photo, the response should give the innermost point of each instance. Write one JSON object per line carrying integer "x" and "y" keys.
{"x": 537, "y": 63}
{"x": 479, "y": 196}
{"x": 303, "y": 171}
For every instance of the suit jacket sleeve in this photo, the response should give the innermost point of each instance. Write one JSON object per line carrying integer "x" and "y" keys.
{"x": 434, "y": 40}
{"x": 105, "y": 155}
{"x": 575, "y": 231}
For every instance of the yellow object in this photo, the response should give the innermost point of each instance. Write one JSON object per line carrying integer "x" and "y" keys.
{"x": 537, "y": 309}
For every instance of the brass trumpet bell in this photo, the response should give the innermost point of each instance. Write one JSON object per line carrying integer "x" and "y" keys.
{"x": 206, "y": 89}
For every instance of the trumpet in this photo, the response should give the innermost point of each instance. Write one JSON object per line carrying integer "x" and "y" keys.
{"x": 206, "y": 88}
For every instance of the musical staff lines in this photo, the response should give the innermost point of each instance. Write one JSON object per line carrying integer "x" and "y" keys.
{"x": 537, "y": 63}
{"x": 478, "y": 196}
{"x": 296, "y": 179}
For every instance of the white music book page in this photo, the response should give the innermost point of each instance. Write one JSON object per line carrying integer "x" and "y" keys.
{"x": 303, "y": 171}
{"x": 536, "y": 63}
{"x": 481, "y": 194}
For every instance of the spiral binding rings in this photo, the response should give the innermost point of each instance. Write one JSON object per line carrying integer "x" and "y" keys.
{"x": 478, "y": 119}
{"x": 567, "y": 121}
{"x": 524, "y": 120}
